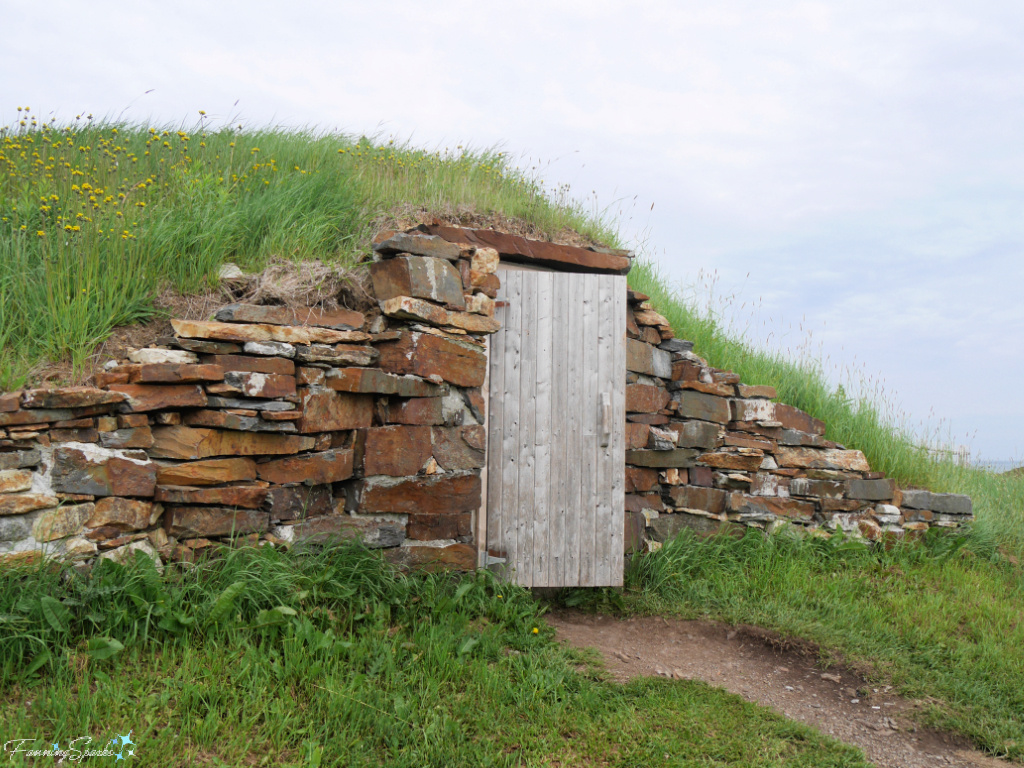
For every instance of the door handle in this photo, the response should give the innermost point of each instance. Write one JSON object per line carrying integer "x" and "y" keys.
{"x": 606, "y": 419}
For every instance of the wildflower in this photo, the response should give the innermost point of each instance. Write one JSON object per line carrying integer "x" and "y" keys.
{"x": 40, "y": 233}
{"x": 535, "y": 630}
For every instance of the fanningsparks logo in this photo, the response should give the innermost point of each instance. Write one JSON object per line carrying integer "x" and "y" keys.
{"x": 119, "y": 748}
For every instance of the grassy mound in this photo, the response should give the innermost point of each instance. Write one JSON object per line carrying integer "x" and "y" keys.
{"x": 96, "y": 217}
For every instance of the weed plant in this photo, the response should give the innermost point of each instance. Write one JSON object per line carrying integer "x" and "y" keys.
{"x": 261, "y": 657}
{"x": 95, "y": 216}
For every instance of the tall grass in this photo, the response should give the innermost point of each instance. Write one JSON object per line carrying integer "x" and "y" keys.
{"x": 94, "y": 218}
{"x": 859, "y": 419}
{"x": 933, "y": 618}
{"x": 332, "y": 659}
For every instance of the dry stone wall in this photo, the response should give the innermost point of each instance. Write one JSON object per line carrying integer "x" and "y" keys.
{"x": 705, "y": 451}
{"x": 284, "y": 425}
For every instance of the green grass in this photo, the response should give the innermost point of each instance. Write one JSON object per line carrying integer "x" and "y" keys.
{"x": 333, "y": 659}
{"x": 935, "y": 619}
{"x": 864, "y": 421}
{"x": 95, "y": 218}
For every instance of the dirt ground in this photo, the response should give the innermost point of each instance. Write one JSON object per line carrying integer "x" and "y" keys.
{"x": 753, "y": 664}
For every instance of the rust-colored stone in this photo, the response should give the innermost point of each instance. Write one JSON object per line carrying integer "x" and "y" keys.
{"x": 396, "y": 450}
{"x": 747, "y": 391}
{"x": 310, "y": 469}
{"x": 208, "y": 472}
{"x": 636, "y": 435}
{"x": 74, "y": 435}
{"x": 68, "y": 397}
{"x": 246, "y": 496}
{"x": 685, "y": 371}
{"x": 817, "y": 458}
{"x": 137, "y": 437}
{"x": 61, "y": 522}
{"x": 636, "y": 502}
{"x": 367, "y": 380}
{"x": 324, "y": 410}
{"x": 417, "y": 410}
{"x": 641, "y": 480}
{"x": 182, "y": 442}
{"x": 10, "y": 401}
{"x": 20, "y": 503}
{"x": 426, "y": 355}
{"x": 459, "y": 448}
{"x": 128, "y": 514}
{"x": 215, "y": 521}
{"x": 277, "y": 365}
{"x": 489, "y": 285}
{"x": 279, "y": 415}
{"x": 645, "y": 398}
{"x": 765, "y": 507}
{"x": 269, "y": 386}
{"x": 743, "y": 440}
{"x": 339, "y": 354}
{"x": 710, "y": 500}
{"x": 417, "y": 278}
{"x": 453, "y": 557}
{"x": 513, "y": 248}
{"x": 735, "y": 461}
{"x": 288, "y": 334}
{"x": 15, "y": 480}
{"x": 101, "y": 472}
{"x": 151, "y": 373}
{"x": 794, "y": 418}
{"x": 714, "y": 388}
{"x": 155, "y": 397}
{"x": 417, "y": 243}
{"x": 434, "y": 494}
{"x": 432, "y": 527}
{"x": 339, "y": 319}
{"x": 297, "y": 502}
{"x": 75, "y": 424}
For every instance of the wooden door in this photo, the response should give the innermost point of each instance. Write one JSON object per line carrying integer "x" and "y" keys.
{"x": 556, "y": 421}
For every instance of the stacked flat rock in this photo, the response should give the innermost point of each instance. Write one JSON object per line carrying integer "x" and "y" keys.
{"x": 705, "y": 451}
{"x": 270, "y": 424}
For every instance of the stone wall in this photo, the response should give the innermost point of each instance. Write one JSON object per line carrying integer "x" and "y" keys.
{"x": 286, "y": 425}
{"x": 706, "y": 451}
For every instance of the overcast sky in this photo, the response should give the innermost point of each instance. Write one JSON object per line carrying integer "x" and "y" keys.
{"x": 855, "y": 169}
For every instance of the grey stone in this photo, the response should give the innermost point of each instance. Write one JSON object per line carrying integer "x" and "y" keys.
{"x": 871, "y": 490}
{"x": 697, "y": 405}
{"x": 666, "y": 527}
{"x": 269, "y": 349}
{"x": 697, "y": 434}
{"x": 420, "y": 278}
{"x": 945, "y": 503}
{"x": 15, "y": 528}
{"x": 680, "y": 457}
{"x": 252, "y": 405}
{"x": 676, "y": 345}
{"x": 419, "y": 244}
{"x": 19, "y": 459}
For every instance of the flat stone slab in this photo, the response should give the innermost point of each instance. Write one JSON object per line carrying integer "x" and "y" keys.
{"x": 944, "y": 503}
{"x": 338, "y": 319}
{"x": 288, "y": 334}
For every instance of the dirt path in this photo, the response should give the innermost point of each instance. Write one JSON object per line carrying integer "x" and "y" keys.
{"x": 748, "y": 662}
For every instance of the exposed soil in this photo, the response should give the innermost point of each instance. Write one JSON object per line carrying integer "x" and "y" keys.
{"x": 763, "y": 668}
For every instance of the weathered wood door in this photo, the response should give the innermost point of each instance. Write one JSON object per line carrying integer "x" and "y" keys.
{"x": 556, "y": 443}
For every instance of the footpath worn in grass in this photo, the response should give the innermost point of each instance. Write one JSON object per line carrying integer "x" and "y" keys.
{"x": 938, "y": 620}
{"x": 333, "y": 659}
{"x": 95, "y": 216}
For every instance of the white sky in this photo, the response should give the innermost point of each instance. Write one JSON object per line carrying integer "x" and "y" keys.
{"x": 862, "y": 162}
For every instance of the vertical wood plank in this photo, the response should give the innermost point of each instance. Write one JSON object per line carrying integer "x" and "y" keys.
{"x": 574, "y": 432}
{"x": 560, "y": 458}
{"x": 589, "y": 402}
{"x": 527, "y": 430}
{"x": 618, "y": 446}
{"x": 541, "y": 534}
{"x": 603, "y": 509}
{"x": 495, "y": 429}
{"x": 510, "y": 422}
